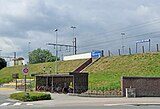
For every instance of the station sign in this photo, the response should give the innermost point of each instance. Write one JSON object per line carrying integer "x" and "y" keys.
{"x": 96, "y": 54}
{"x": 141, "y": 41}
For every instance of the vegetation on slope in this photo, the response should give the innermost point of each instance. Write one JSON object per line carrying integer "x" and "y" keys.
{"x": 63, "y": 67}
{"x": 107, "y": 72}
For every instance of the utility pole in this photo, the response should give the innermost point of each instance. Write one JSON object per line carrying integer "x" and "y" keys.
{"x": 74, "y": 40}
{"x": 56, "y": 46}
{"x": 75, "y": 46}
{"x": 15, "y": 58}
{"x": 56, "y": 34}
{"x": 60, "y": 45}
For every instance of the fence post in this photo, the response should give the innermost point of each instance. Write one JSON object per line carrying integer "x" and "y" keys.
{"x": 119, "y": 52}
{"x": 102, "y": 53}
{"x": 136, "y": 47}
{"x": 109, "y": 53}
{"x": 157, "y": 48}
{"x": 142, "y": 49}
{"x": 130, "y": 51}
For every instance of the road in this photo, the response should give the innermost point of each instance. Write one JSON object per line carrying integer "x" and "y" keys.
{"x": 62, "y": 101}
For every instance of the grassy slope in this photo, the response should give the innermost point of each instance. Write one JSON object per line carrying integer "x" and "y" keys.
{"x": 106, "y": 73}
{"x": 63, "y": 66}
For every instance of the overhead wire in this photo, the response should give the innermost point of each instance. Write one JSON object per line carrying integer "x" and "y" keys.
{"x": 109, "y": 41}
{"x": 125, "y": 29}
{"x": 140, "y": 25}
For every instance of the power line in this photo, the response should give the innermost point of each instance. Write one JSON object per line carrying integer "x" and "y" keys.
{"x": 125, "y": 29}
{"x": 109, "y": 41}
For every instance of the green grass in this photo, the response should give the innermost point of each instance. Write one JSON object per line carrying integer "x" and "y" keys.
{"x": 32, "y": 96}
{"x": 105, "y": 74}
{"x": 63, "y": 67}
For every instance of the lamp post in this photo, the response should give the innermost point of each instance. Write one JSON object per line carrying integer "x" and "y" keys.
{"x": 74, "y": 40}
{"x": 123, "y": 34}
{"x": 29, "y": 43}
{"x": 56, "y": 34}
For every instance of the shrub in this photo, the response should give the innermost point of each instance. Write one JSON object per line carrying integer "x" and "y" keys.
{"x": 30, "y": 96}
{"x": 3, "y": 63}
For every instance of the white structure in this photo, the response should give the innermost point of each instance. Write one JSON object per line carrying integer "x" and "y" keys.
{"x": 94, "y": 54}
{"x": 17, "y": 61}
{"x": 78, "y": 56}
{"x": 10, "y": 63}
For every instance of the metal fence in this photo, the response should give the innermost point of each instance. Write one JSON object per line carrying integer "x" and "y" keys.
{"x": 129, "y": 51}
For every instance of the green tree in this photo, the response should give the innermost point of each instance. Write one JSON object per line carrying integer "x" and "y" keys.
{"x": 40, "y": 56}
{"x": 3, "y": 63}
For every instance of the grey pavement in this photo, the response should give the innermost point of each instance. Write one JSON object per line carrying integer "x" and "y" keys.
{"x": 64, "y": 101}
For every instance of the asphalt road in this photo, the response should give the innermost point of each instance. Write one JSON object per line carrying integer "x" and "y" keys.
{"x": 62, "y": 101}
{"x": 4, "y": 95}
{"x": 83, "y": 107}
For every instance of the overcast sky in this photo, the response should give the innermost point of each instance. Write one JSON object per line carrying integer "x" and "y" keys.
{"x": 99, "y": 24}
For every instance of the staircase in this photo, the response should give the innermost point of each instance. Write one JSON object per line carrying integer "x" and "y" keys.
{"x": 85, "y": 65}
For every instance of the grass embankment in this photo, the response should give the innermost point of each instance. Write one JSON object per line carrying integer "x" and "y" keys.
{"x": 106, "y": 73}
{"x": 63, "y": 67}
{"x": 30, "y": 96}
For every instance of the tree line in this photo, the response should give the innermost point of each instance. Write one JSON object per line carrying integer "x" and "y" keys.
{"x": 36, "y": 56}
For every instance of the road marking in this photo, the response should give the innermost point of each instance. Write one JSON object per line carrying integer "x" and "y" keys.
{"x": 4, "y": 104}
{"x": 116, "y": 104}
{"x": 17, "y": 104}
{"x": 29, "y": 104}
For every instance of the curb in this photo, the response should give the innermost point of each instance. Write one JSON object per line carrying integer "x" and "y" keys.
{"x": 94, "y": 96}
{"x": 7, "y": 88}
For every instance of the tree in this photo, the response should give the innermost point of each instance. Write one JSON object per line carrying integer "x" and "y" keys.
{"x": 40, "y": 56}
{"x": 3, "y": 63}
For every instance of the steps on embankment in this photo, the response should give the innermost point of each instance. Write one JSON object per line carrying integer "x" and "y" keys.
{"x": 85, "y": 65}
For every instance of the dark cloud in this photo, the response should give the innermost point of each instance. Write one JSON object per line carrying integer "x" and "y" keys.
{"x": 99, "y": 22}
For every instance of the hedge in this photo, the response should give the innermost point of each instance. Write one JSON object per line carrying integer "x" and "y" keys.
{"x": 30, "y": 96}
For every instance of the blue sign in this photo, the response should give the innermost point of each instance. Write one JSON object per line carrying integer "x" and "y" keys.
{"x": 96, "y": 54}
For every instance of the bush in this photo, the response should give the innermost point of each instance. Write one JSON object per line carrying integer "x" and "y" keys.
{"x": 3, "y": 63}
{"x": 30, "y": 96}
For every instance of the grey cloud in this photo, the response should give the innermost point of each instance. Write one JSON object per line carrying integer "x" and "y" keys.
{"x": 94, "y": 19}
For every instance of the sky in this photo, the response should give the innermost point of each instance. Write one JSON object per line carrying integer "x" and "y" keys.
{"x": 26, "y": 25}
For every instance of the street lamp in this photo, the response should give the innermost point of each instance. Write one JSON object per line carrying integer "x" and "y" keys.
{"x": 74, "y": 40}
{"x": 123, "y": 34}
{"x": 56, "y": 34}
{"x": 29, "y": 43}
